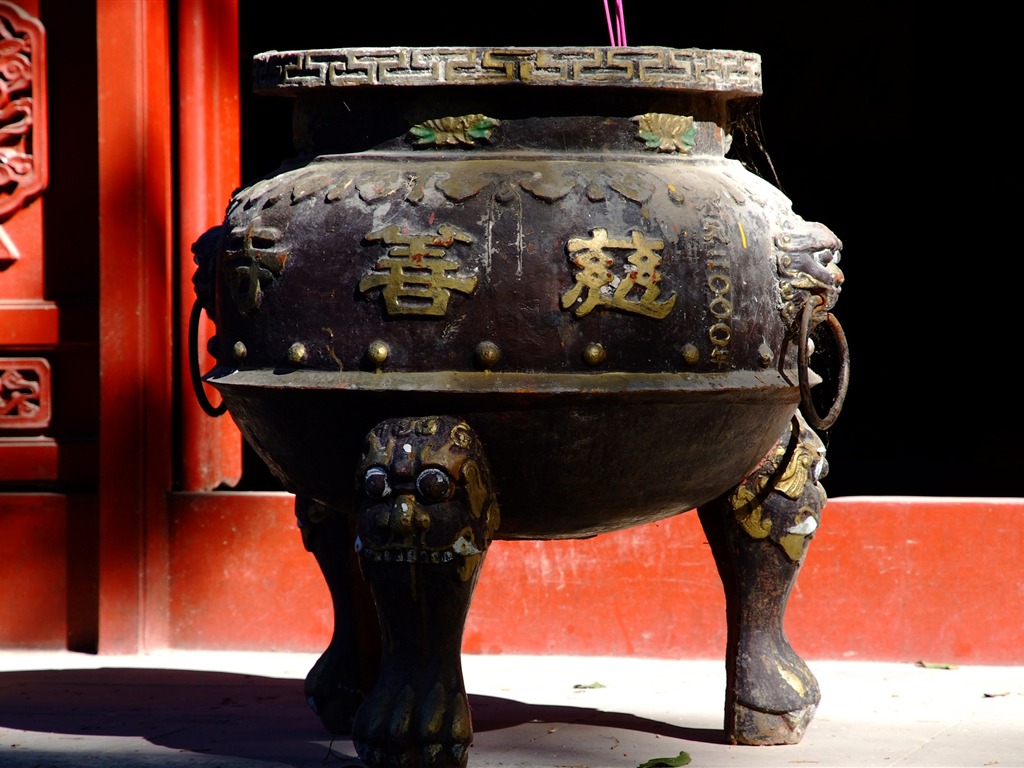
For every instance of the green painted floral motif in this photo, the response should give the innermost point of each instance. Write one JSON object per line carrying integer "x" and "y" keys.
{"x": 453, "y": 131}
{"x": 666, "y": 133}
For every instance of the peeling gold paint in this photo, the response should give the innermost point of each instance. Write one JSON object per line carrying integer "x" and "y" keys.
{"x": 434, "y": 706}
{"x": 794, "y": 681}
{"x": 401, "y": 712}
{"x": 374, "y": 186}
{"x": 337, "y": 191}
{"x": 469, "y": 566}
{"x": 794, "y": 545}
{"x": 632, "y": 186}
{"x": 476, "y": 489}
{"x": 800, "y": 469}
{"x": 749, "y": 511}
{"x": 462, "y": 729}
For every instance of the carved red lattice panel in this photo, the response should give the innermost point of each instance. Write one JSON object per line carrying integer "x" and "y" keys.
{"x": 24, "y": 393}
{"x": 23, "y": 170}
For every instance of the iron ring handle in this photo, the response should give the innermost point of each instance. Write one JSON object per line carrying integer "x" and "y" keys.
{"x": 193, "y": 365}
{"x": 816, "y": 420}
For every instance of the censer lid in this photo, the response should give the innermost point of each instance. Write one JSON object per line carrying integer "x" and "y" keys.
{"x": 729, "y": 73}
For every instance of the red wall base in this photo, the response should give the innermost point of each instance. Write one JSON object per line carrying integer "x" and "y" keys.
{"x": 33, "y": 570}
{"x": 886, "y": 579}
{"x": 240, "y": 578}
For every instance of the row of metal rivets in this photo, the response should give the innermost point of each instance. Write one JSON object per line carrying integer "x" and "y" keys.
{"x": 488, "y": 354}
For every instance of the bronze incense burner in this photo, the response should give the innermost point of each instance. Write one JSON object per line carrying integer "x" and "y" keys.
{"x": 527, "y": 280}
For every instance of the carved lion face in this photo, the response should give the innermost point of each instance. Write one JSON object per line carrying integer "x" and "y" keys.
{"x": 808, "y": 255}
{"x": 424, "y": 492}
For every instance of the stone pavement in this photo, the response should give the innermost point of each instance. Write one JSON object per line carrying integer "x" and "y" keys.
{"x": 184, "y": 709}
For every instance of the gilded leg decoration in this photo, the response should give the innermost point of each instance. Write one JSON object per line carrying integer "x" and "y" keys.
{"x": 336, "y": 684}
{"x": 759, "y": 535}
{"x": 427, "y": 512}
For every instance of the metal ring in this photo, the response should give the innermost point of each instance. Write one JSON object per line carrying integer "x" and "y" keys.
{"x": 806, "y": 404}
{"x": 193, "y": 365}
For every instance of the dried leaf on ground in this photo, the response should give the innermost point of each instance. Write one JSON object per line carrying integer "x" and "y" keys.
{"x": 937, "y": 665}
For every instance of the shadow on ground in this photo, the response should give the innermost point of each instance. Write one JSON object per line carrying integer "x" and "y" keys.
{"x": 221, "y": 715}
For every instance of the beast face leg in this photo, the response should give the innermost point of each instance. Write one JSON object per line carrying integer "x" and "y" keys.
{"x": 759, "y": 534}
{"x": 336, "y": 684}
{"x": 427, "y": 512}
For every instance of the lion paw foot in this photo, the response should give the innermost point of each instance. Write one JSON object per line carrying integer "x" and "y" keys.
{"x": 406, "y": 730}
{"x": 331, "y": 694}
{"x": 756, "y": 728}
{"x": 775, "y": 694}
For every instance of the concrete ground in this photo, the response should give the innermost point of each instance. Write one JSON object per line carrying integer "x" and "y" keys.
{"x": 246, "y": 710}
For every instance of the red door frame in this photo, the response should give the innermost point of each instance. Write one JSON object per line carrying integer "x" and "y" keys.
{"x": 136, "y": 236}
{"x": 209, "y": 166}
{"x": 138, "y": 266}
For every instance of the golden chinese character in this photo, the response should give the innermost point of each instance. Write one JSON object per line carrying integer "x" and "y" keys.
{"x": 415, "y": 276}
{"x": 636, "y": 291}
{"x": 252, "y": 260}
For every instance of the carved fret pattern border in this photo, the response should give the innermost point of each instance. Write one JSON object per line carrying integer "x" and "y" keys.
{"x": 25, "y": 401}
{"x": 685, "y": 69}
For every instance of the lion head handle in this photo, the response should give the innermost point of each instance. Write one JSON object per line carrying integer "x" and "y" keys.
{"x": 809, "y": 282}
{"x": 204, "y": 252}
{"x": 808, "y": 261}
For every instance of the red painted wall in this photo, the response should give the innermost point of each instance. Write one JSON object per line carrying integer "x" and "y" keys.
{"x": 240, "y": 577}
{"x": 893, "y": 579}
{"x": 34, "y": 542}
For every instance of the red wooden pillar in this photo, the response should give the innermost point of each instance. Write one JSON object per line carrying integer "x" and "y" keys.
{"x": 135, "y": 202}
{"x": 28, "y": 320}
{"x": 209, "y": 171}
{"x": 33, "y": 565}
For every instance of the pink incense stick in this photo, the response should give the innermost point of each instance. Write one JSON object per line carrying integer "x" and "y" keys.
{"x": 616, "y": 23}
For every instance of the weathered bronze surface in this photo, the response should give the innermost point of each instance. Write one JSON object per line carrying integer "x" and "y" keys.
{"x": 528, "y": 276}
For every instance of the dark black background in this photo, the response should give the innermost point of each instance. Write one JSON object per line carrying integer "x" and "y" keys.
{"x": 928, "y": 305}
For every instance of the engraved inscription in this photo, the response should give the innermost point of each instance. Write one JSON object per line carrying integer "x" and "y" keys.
{"x": 415, "y": 277}
{"x": 719, "y": 283}
{"x": 720, "y": 307}
{"x": 252, "y": 260}
{"x": 597, "y": 285}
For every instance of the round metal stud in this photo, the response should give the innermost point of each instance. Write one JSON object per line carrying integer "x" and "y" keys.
{"x": 297, "y": 353}
{"x": 594, "y": 354}
{"x": 691, "y": 355}
{"x": 239, "y": 351}
{"x": 766, "y": 355}
{"x": 378, "y": 352}
{"x": 487, "y": 354}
